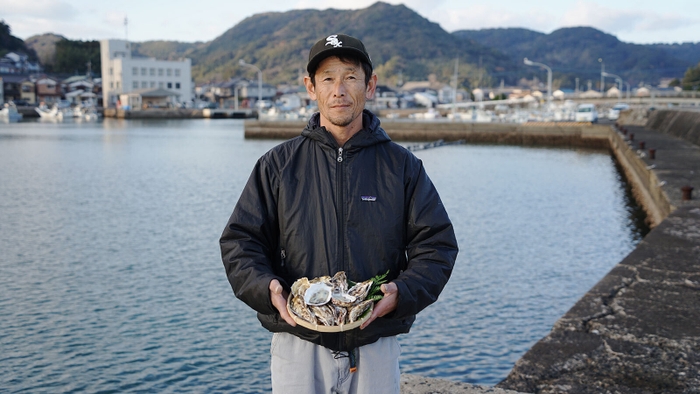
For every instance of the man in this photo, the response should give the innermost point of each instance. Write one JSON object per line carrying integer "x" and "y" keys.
{"x": 340, "y": 197}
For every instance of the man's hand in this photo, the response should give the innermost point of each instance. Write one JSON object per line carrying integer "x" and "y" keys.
{"x": 279, "y": 299}
{"x": 386, "y": 304}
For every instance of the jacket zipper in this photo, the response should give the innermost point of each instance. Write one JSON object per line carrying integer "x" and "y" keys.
{"x": 341, "y": 211}
{"x": 341, "y": 226}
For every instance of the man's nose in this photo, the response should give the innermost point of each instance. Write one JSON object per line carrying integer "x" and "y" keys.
{"x": 339, "y": 89}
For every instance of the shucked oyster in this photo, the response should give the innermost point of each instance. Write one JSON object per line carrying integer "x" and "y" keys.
{"x": 318, "y": 293}
{"x": 344, "y": 300}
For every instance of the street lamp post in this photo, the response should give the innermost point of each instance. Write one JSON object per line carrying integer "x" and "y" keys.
{"x": 602, "y": 75}
{"x": 620, "y": 82}
{"x": 549, "y": 79}
{"x": 243, "y": 63}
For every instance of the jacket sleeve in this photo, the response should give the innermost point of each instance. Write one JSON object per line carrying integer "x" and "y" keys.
{"x": 250, "y": 238}
{"x": 431, "y": 245}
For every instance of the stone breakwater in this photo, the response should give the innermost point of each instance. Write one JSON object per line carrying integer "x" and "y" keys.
{"x": 637, "y": 330}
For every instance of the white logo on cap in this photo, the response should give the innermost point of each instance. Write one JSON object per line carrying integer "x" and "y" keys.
{"x": 333, "y": 40}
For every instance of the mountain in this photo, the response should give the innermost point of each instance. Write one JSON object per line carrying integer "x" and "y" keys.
{"x": 165, "y": 50}
{"x": 406, "y": 47}
{"x": 45, "y": 46}
{"x": 398, "y": 39}
{"x": 574, "y": 52}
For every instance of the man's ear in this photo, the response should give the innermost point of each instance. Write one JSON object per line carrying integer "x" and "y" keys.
{"x": 371, "y": 87}
{"x": 310, "y": 88}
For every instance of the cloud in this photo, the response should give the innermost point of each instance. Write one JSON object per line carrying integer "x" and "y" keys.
{"x": 589, "y": 13}
{"x": 38, "y": 9}
{"x": 489, "y": 16}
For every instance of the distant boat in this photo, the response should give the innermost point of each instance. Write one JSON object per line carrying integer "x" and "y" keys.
{"x": 9, "y": 113}
{"x": 53, "y": 113}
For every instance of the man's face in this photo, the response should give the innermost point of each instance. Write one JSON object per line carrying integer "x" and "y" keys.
{"x": 340, "y": 91}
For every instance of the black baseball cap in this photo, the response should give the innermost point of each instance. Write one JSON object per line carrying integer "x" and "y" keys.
{"x": 334, "y": 45}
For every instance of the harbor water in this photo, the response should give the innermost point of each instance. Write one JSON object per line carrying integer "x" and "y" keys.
{"x": 112, "y": 280}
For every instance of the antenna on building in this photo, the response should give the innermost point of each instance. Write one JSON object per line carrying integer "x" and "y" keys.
{"x": 126, "y": 31}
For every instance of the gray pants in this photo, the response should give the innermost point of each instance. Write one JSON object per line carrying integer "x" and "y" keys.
{"x": 299, "y": 366}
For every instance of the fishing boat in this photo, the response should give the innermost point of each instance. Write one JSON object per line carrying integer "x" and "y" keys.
{"x": 53, "y": 113}
{"x": 9, "y": 113}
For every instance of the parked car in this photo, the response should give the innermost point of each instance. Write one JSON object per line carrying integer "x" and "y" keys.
{"x": 586, "y": 113}
{"x": 614, "y": 112}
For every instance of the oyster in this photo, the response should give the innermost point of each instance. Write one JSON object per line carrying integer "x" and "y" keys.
{"x": 324, "y": 314}
{"x": 360, "y": 290}
{"x": 321, "y": 279}
{"x": 339, "y": 282}
{"x": 300, "y": 309}
{"x": 299, "y": 286}
{"x": 318, "y": 293}
{"x": 357, "y": 310}
{"x": 340, "y": 315}
{"x": 344, "y": 300}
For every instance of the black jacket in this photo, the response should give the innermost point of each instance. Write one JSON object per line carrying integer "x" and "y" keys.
{"x": 311, "y": 208}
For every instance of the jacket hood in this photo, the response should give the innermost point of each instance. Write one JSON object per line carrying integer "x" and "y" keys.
{"x": 371, "y": 133}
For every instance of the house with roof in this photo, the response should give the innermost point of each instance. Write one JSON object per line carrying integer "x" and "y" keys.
{"x": 48, "y": 90}
{"x": 27, "y": 91}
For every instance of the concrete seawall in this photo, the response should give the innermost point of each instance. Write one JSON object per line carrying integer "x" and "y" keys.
{"x": 637, "y": 330}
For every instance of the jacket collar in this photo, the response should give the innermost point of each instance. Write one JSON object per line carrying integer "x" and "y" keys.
{"x": 371, "y": 133}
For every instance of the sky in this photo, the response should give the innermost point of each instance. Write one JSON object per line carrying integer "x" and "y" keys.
{"x": 635, "y": 21}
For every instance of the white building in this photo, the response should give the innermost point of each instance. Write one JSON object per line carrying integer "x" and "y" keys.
{"x": 123, "y": 74}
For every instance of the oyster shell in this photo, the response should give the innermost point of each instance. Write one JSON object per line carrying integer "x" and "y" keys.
{"x": 360, "y": 290}
{"x": 318, "y": 293}
{"x": 300, "y": 309}
{"x": 299, "y": 286}
{"x": 339, "y": 281}
{"x": 357, "y": 310}
{"x": 342, "y": 299}
{"x": 324, "y": 314}
{"x": 321, "y": 279}
{"x": 340, "y": 315}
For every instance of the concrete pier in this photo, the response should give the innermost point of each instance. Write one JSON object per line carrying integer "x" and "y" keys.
{"x": 637, "y": 330}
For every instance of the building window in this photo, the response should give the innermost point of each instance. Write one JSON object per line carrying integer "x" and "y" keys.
{"x": 170, "y": 72}
{"x": 135, "y": 85}
{"x": 153, "y": 84}
{"x": 177, "y": 72}
{"x": 117, "y": 84}
{"x": 170, "y": 85}
{"x": 152, "y": 72}
{"x": 144, "y": 84}
{"x": 111, "y": 71}
{"x": 160, "y": 72}
{"x": 177, "y": 85}
{"x": 143, "y": 70}
{"x": 135, "y": 71}
{"x": 160, "y": 85}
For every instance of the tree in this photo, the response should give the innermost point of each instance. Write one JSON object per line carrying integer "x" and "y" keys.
{"x": 72, "y": 57}
{"x": 691, "y": 80}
